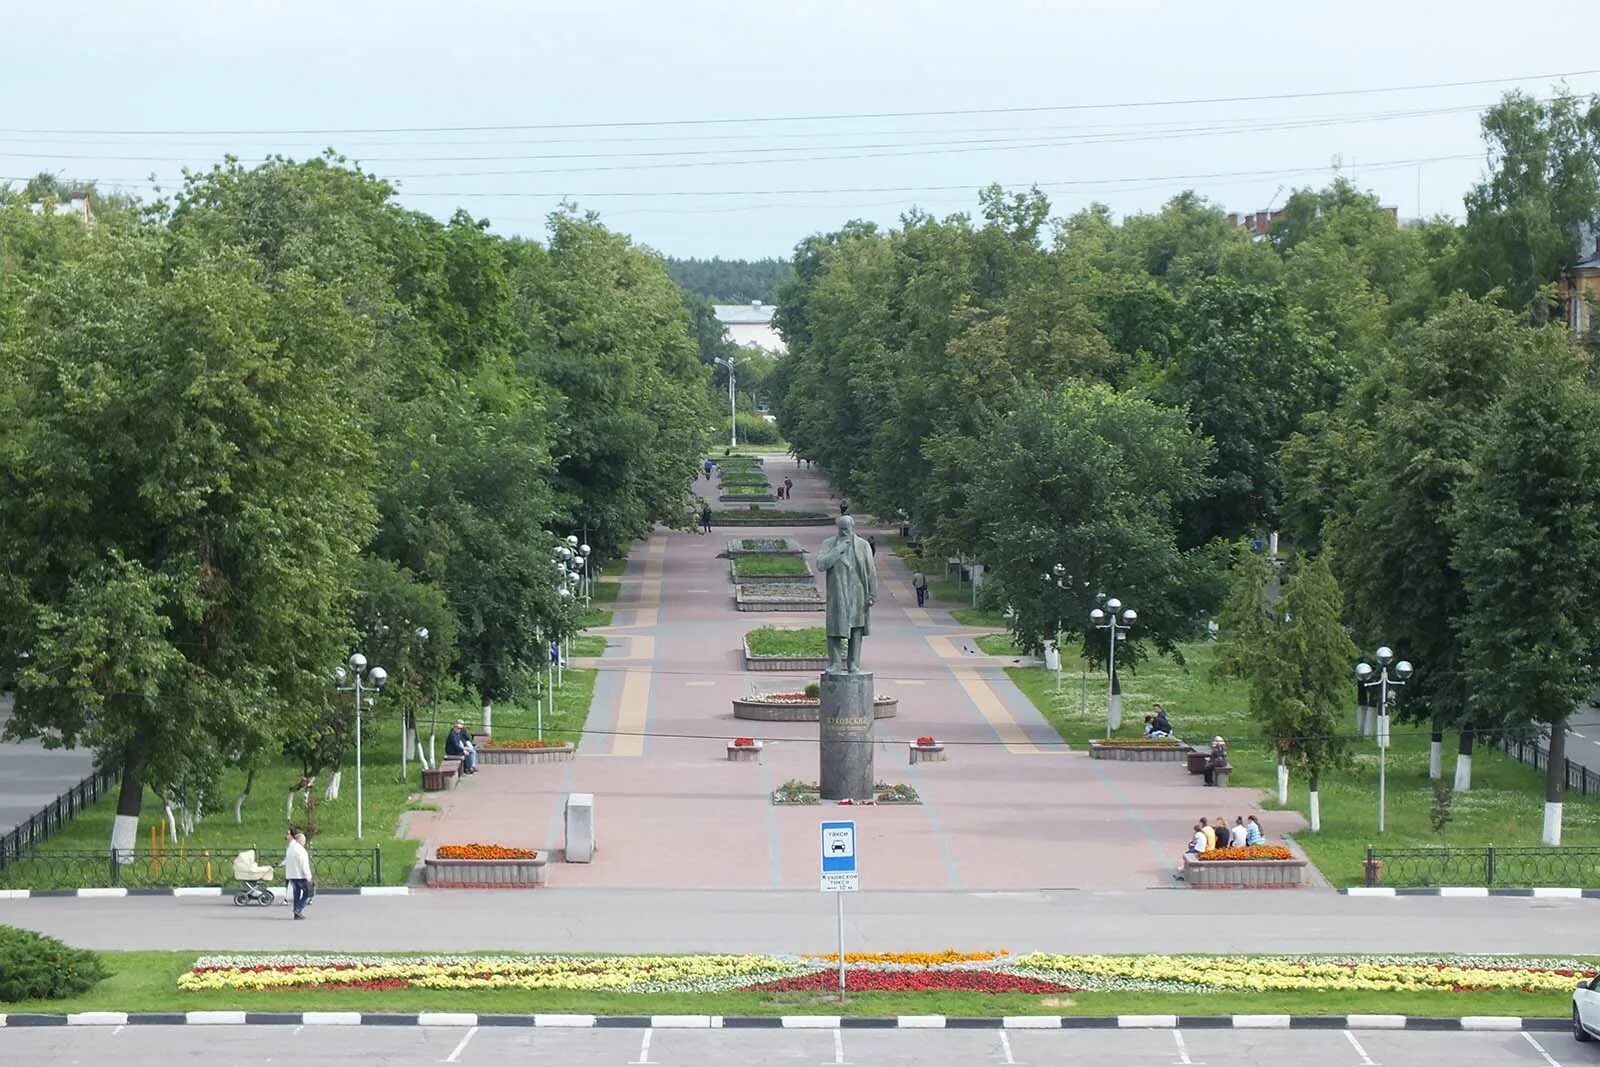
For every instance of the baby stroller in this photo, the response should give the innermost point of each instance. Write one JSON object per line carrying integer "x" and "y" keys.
{"x": 248, "y": 871}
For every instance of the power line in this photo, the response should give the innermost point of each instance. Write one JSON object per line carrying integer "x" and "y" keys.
{"x": 822, "y": 117}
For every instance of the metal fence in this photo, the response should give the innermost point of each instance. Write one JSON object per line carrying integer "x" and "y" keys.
{"x": 1536, "y": 754}
{"x": 1509, "y": 867}
{"x": 53, "y": 869}
{"x": 38, "y": 827}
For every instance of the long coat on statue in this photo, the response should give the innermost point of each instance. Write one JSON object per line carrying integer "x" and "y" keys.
{"x": 852, "y": 583}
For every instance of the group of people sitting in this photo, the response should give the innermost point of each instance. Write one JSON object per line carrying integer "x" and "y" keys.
{"x": 1157, "y": 724}
{"x": 1207, "y": 836}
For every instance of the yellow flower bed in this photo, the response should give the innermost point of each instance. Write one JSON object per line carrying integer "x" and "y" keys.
{"x": 1262, "y": 974}
{"x": 911, "y": 959}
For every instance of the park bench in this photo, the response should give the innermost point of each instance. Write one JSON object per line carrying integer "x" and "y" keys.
{"x": 445, "y": 776}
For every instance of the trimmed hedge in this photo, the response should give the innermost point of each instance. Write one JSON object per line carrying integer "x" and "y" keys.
{"x": 35, "y": 967}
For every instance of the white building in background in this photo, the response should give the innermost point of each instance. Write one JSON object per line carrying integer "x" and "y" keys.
{"x": 77, "y": 204}
{"x": 750, "y": 325}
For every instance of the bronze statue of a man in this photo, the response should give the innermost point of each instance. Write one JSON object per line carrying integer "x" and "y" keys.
{"x": 852, "y": 587}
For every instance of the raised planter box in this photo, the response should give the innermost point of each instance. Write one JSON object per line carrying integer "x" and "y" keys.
{"x": 1242, "y": 874}
{"x": 772, "y": 517}
{"x": 753, "y": 546}
{"x": 1139, "y": 753}
{"x": 802, "y": 711}
{"x": 775, "y": 597}
{"x": 552, "y": 754}
{"x": 753, "y": 662}
{"x": 927, "y": 753}
{"x": 744, "y": 753}
{"x": 754, "y": 498}
{"x": 803, "y": 578}
{"x": 485, "y": 874}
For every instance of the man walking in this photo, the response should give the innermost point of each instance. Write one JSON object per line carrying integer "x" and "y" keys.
{"x": 919, "y": 582}
{"x": 297, "y": 871}
{"x": 705, "y": 519}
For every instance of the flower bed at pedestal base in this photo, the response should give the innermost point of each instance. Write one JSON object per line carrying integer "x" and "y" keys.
{"x": 547, "y": 754}
{"x": 484, "y": 874}
{"x": 1243, "y": 874}
{"x": 802, "y": 710}
{"x": 744, "y": 753}
{"x": 1140, "y": 753}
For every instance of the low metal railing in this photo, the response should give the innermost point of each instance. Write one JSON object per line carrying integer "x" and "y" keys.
{"x": 1488, "y": 865}
{"x": 49, "y": 820}
{"x": 89, "y": 868}
{"x": 1533, "y": 752}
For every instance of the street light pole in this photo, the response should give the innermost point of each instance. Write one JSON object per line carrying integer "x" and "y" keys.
{"x": 733, "y": 410}
{"x": 1107, "y": 620}
{"x": 375, "y": 678}
{"x": 1364, "y": 675}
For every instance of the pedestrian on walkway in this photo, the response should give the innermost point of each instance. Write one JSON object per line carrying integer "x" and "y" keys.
{"x": 872, "y": 544}
{"x": 844, "y": 506}
{"x": 311, "y": 886}
{"x": 297, "y": 872}
{"x": 788, "y": 489}
{"x": 705, "y": 518}
{"x": 780, "y": 492}
{"x": 708, "y": 465}
{"x": 919, "y": 582}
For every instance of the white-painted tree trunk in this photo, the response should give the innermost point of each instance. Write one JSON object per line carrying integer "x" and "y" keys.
{"x": 1316, "y": 811}
{"x": 1463, "y": 773}
{"x": 488, "y": 716}
{"x": 1552, "y": 822}
{"x": 332, "y": 792}
{"x": 172, "y": 824}
{"x": 1283, "y": 784}
{"x": 1435, "y": 759}
{"x": 125, "y": 835}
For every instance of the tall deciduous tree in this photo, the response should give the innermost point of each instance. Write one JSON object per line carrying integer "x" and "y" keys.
{"x": 186, "y": 485}
{"x": 1301, "y": 685}
{"x": 1528, "y": 551}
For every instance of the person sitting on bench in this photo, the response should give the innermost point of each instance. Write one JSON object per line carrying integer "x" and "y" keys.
{"x": 1218, "y": 760}
{"x": 458, "y": 743}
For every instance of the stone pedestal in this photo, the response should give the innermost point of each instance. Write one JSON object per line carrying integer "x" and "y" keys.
{"x": 845, "y": 727}
{"x": 580, "y": 827}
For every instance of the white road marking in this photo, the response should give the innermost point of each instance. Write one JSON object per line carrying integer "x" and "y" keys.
{"x": 297, "y": 1030}
{"x": 1183, "y": 1051}
{"x": 644, "y": 1048}
{"x": 1005, "y": 1046}
{"x": 1574, "y": 733}
{"x": 1366, "y": 1061}
{"x": 1549, "y": 1059}
{"x": 455, "y": 1054}
{"x": 838, "y": 1046}
{"x": 117, "y": 1031}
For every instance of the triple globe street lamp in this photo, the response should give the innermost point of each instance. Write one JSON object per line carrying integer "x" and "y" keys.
{"x": 359, "y": 677}
{"x": 1383, "y": 680}
{"x": 1107, "y": 618}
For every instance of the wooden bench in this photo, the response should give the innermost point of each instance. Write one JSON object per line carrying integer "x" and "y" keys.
{"x": 445, "y": 776}
{"x": 1219, "y": 776}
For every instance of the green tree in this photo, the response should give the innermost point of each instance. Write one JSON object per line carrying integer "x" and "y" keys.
{"x": 1300, "y": 691}
{"x": 186, "y": 486}
{"x": 1528, "y": 551}
{"x": 1247, "y": 617}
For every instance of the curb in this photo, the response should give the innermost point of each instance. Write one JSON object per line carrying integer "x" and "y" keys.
{"x": 103, "y": 892}
{"x": 792, "y": 1022}
{"x": 1569, "y": 893}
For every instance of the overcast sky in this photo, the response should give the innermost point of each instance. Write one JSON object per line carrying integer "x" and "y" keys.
{"x": 611, "y": 99}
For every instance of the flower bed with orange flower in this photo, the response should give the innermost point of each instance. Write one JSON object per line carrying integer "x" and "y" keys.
{"x": 484, "y": 852}
{"x": 1249, "y": 852}
{"x": 523, "y": 743}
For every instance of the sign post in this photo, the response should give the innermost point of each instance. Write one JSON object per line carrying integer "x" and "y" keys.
{"x": 839, "y": 874}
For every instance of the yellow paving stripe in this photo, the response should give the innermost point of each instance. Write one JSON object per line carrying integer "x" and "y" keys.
{"x": 633, "y": 703}
{"x": 983, "y": 697}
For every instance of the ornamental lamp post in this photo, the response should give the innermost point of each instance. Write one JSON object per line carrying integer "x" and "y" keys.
{"x": 1384, "y": 680}
{"x": 733, "y": 410}
{"x": 1116, "y": 630}
{"x": 359, "y": 677}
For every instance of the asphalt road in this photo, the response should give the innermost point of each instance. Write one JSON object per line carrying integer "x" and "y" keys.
{"x": 599, "y": 920}
{"x": 156, "y": 1046}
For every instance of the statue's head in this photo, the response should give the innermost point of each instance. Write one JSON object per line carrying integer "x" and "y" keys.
{"x": 846, "y": 526}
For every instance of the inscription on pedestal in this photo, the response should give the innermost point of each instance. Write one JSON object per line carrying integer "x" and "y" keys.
{"x": 845, "y": 732}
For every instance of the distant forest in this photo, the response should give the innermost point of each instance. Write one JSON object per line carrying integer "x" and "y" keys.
{"x": 730, "y": 281}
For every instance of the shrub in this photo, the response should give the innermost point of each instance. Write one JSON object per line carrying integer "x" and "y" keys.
{"x": 754, "y": 430}
{"x": 35, "y": 967}
{"x": 814, "y": 691}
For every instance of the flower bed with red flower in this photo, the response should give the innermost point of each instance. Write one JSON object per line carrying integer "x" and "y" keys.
{"x": 744, "y": 742}
{"x": 484, "y": 852}
{"x": 870, "y": 980}
{"x": 925, "y": 740}
{"x": 523, "y": 743}
{"x": 1248, "y": 852}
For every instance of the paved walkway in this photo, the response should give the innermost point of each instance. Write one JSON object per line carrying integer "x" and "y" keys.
{"x": 1012, "y": 809}
{"x": 648, "y": 920}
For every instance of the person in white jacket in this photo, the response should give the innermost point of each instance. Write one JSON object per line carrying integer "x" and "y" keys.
{"x": 297, "y": 871}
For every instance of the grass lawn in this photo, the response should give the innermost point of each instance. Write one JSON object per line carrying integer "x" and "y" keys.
{"x": 998, "y": 645}
{"x": 385, "y": 796}
{"x": 769, "y": 566}
{"x": 979, "y": 617}
{"x": 809, "y": 641}
{"x": 613, "y": 568}
{"x": 1504, "y": 807}
{"x": 147, "y": 981}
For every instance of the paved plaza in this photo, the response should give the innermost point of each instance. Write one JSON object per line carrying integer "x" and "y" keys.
{"x": 1012, "y": 809}
{"x": 32, "y": 776}
{"x": 312, "y": 1046}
